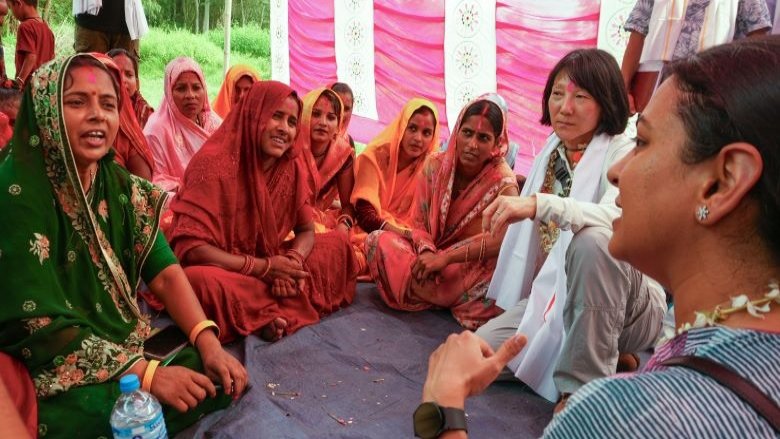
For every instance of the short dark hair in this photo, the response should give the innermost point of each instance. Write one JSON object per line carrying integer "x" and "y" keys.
{"x": 113, "y": 53}
{"x": 341, "y": 87}
{"x": 598, "y": 73}
{"x": 31, "y": 2}
{"x": 729, "y": 94}
{"x": 489, "y": 110}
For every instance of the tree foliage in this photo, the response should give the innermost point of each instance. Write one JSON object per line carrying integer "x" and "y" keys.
{"x": 177, "y": 14}
{"x": 185, "y": 14}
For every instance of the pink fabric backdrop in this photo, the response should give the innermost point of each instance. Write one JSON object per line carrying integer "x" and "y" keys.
{"x": 409, "y": 41}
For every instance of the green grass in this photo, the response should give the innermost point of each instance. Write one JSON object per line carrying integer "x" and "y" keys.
{"x": 249, "y": 45}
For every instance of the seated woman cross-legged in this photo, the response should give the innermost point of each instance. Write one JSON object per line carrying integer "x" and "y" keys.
{"x": 238, "y": 80}
{"x": 329, "y": 158}
{"x": 700, "y": 208}
{"x": 131, "y": 149}
{"x": 128, "y": 63}
{"x": 579, "y": 307}
{"x": 451, "y": 259}
{"x": 242, "y": 195}
{"x": 78, "y": 235}
{"x": 181, "y": 124}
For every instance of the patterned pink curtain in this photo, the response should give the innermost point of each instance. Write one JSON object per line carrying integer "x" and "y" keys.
{"x": 531, "y": 36}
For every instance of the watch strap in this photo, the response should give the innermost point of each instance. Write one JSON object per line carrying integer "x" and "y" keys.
{"x": 454, "y": 419}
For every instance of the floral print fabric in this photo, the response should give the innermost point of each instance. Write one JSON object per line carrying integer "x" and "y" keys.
{"x": 70, "y": 262}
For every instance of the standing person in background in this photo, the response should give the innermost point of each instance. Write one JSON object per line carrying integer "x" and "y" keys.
{"x": 665, "y": 30}
{"x": 34, "y": 40}
{"x": 102, "y": 25}
{"x": 238, "y": 81}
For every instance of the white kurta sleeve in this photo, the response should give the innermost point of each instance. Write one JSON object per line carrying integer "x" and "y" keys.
{"x": 570, "y": 214}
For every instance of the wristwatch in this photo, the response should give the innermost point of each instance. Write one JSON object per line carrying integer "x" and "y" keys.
{"x": 431, "y": 420}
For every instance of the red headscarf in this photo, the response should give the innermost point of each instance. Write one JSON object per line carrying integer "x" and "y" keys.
{"x": 226, "y": 199}
{"x": 130, "y": 135}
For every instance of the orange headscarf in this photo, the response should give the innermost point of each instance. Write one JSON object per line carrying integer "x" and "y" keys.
{"x": 337, "y": 154}
{"x": 376, "y": 168}
{"x": 224, "y": 100}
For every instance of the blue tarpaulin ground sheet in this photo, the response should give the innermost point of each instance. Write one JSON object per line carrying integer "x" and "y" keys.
{"x": 359, "y": 374}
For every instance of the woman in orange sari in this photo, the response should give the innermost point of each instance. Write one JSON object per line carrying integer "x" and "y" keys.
{"x": 329, "y": 158}
{"x": 238, "y": 81}
{"x": 242, "y": 194}
{"x": 447, "y": 261}
{"x": 386, "y": 172}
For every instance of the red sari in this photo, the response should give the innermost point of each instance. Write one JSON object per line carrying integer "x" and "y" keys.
{"x": 443, "y": 222}
{"x": 229, "y": 202}
{"x": 130, "y": 138}
{"x": 324, "y": 171}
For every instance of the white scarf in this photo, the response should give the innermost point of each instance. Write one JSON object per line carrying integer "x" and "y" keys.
{"x": 514, "y": 279}
{"x": 135, "y": 18}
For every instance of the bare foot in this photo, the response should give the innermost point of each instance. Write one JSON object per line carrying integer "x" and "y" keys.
{"x": 273, "y": 331}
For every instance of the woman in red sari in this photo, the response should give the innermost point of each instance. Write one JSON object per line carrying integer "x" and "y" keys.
{"x": 132, "y": 151}
{"x": 329, "y": 158}
{"x": 448, "y": 261}
{"x": 242, "y": 194}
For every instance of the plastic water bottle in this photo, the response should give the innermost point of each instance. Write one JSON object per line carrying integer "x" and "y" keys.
{"x": 137, "y": 414}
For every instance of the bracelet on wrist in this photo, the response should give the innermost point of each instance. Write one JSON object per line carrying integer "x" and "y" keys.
{"x": 249, "y": 265}
{"x": 197, "y": 329}
{"x": 295, "y": 254}
{"x": 151, "y": 368}
{"x": 267, "y": 268}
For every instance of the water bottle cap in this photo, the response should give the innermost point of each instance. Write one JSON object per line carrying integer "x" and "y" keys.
{"x": 129, "y": 383}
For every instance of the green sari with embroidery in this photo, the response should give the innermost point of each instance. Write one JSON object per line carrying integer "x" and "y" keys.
{"x": 70, "y": 265}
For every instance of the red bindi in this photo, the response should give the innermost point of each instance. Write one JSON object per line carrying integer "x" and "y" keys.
{"x": 571, "y": 86}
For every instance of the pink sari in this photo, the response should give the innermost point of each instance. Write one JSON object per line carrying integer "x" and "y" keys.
{"x": 172, "y": 137}
{"x": 443, "y": 223}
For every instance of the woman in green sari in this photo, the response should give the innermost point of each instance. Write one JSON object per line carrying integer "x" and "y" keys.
{"x": 77, "y": 235}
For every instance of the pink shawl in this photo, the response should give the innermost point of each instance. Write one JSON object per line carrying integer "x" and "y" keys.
{"x": 172, "y": 137}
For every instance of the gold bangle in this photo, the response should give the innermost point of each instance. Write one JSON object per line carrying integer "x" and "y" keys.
{"x": 197, "y": 329}
{"x": 151, "y": 368}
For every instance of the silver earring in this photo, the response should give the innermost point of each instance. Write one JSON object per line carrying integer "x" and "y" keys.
{"x": 702, "y": 212}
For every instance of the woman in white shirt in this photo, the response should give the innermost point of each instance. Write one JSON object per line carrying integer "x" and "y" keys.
{"x": 555, "y": 279}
